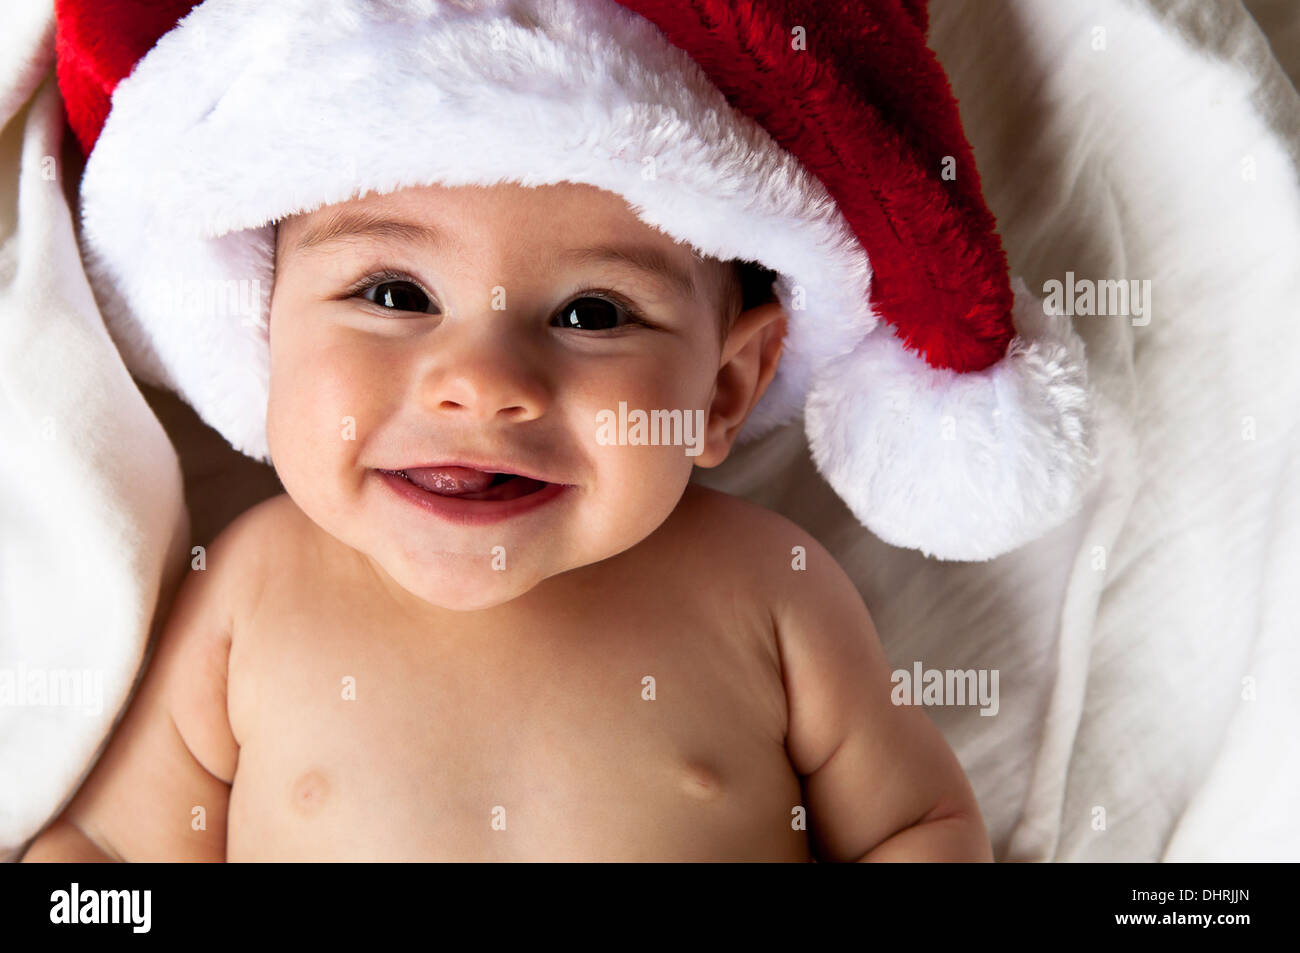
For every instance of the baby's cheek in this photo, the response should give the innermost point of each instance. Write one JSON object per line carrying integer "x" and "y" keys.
{"x": 313, "y": 441}
{"x": 322, "y": 386}
{"x": 640, "y": 486}
{"x": 312, "y": 421}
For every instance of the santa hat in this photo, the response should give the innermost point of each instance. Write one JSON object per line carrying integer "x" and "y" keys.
{"x": 820, "y": 140}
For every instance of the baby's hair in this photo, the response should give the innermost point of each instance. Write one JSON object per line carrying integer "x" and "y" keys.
{"x": 745, "y": 285}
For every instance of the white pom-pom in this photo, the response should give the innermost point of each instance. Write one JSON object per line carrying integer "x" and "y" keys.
{"x": 960, "y": 466}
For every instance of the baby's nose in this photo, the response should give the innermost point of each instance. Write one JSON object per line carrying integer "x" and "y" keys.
{"x": 481, "y": 375}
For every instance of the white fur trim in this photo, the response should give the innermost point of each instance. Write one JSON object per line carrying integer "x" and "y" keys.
{"x": 249, "y": 111}
{"x": 959, "y": 466}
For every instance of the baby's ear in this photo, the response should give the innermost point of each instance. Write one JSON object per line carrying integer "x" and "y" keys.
{"x": 750, "y": 355}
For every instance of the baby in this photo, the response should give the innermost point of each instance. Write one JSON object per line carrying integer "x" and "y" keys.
{"x": 474, "y": 628}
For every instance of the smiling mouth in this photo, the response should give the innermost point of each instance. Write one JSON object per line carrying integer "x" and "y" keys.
{"x": 462, "y": 483}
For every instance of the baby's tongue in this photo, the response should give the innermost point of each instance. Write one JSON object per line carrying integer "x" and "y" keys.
{"x": 450, "y": 481}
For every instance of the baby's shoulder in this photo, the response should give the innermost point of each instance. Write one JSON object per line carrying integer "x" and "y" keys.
{"x": 275, "y": 519}
{"x": 262, "y": 537}
{"x": 762, "y": 546}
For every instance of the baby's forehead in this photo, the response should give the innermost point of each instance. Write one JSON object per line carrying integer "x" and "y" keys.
{"x": 554, "y": 209}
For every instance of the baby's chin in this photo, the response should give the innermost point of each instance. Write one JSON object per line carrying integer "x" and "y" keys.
{"x": 455, "y": 581}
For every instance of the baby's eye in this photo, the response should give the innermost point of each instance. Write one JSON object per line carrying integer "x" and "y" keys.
{"x": 397, "y": 296}
{"x": 595, "y": 314}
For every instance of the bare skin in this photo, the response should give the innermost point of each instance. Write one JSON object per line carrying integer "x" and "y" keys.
{"x": 650, "y": 678}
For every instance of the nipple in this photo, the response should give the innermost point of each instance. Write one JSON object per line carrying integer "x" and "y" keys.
{"x": 309, "y": 792}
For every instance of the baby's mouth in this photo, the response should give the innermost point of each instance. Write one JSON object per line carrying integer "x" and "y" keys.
{"x": 464, "y": 483}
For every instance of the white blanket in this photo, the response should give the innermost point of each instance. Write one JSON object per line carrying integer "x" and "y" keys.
{"x": 1145, "y": 650}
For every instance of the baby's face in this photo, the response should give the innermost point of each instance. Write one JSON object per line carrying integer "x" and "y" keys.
{"x": 487, "y": 336}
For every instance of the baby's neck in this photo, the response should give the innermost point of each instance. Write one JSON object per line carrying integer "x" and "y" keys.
{"x": 547, "y": 597}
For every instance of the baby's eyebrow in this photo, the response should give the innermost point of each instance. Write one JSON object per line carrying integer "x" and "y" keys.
{"x": 349, "y": 224}
{"x": 644, "y": 258}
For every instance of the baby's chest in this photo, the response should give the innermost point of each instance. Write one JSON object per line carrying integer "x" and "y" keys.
{"x": 607, "y": 737}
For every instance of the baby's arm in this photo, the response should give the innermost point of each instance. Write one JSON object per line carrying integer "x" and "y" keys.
{"x": 880, "y": 782}
{"x": 174, "y": 749}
